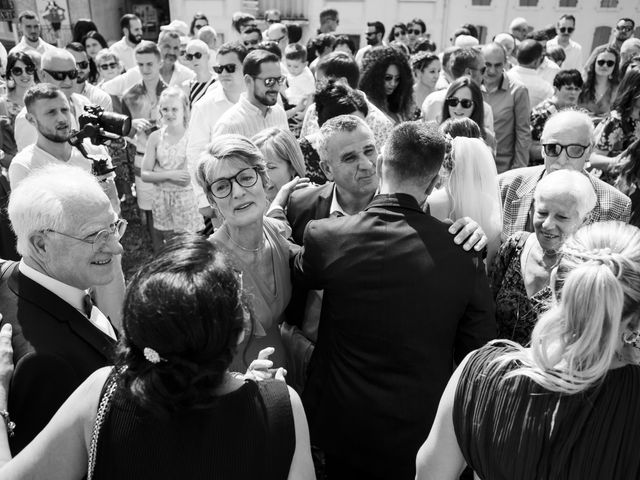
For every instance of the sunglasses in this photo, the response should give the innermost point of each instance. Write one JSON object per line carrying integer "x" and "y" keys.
{"x": 272, "y": 21}
{"x": 60, "y": 76}
{"x": 415, "y": 32}
{"x": 454, "y": 101}
{"x": 82, "y": 65}
{"x": 566, "y": 29}
{"x": 229, "y": 67}
{"x": 370, "y": 34}
{"x": 391, "y": 78}
{"x": 17, "y": 71}
{"x": 107, "y": 66}
{"x": 190, "y": 56}
{"x": 623, "y": 28}
{"x": 573, "y": 151}
{"x": 399, "y": 33}
{"x": 251, "y": 43}
{"x": 608, "y": 63}
{"x": 271, "y": 81}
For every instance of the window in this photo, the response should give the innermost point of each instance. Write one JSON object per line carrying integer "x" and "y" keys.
{"x": 482, "y": 33}
{"x": 481, "y": 3}
{"x": 528, "y": 3}
{"x": 608, "y": 3}
{"x": 568, "y": 3}
{"x": 600, "y": 36}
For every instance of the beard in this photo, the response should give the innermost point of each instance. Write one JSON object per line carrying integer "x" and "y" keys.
{"x": 56, "y": 136}
{"x": 135, "y": 39}
{"x": 267, "y": 101}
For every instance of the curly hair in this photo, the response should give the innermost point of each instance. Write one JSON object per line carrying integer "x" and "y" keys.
{"x": 374, "y": 69}
{"x": 627, "y": 94}
{"x": 589, "y": 88}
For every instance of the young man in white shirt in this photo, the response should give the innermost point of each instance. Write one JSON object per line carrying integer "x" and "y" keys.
{"x": 30, "y": 28}
{"x": 131, "y": 27}
{"x": 572, "y": 50}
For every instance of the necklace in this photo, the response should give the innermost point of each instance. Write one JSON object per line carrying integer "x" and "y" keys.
{"x": 252, "y": 250}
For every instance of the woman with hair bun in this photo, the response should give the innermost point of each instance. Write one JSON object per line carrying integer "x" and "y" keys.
{"x": 567, "y": 407}
{"x": 170, "y": 408}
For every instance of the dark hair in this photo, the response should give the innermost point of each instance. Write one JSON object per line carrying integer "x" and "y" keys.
{"x": 295, "y": 51}
{"x": 234, "y": 47}
{"x": 422, "y": 60}
{"x": 40, "y": 91}
{"x": 251, "y": 30}
{"x": 461, "y": 59}
{"x": 81, "y": 28}
{"x": 460, "y": 31}
{"x": 557, "y": 54}
{"x": 418, "y": 21}
{"x": 627, "y": 93}
{"x": 541, "y": 35}
{"x": 589, "y": 89}
{"x": 374, "y": 69}
{"x": 145, "y": 46}
{"x": 338, "y": 65}
{"x": 196, "y": 16}
{"x": 424, "y": 45}
{"x": 294, "y": 32}
{"x": 460, "y": 127}
{"x": 378, "y": 26}
{"x": 345, "y": 40}
{"x": 271, "y": 46}
{"x": 477, "y": 115}
{"x": 625, "y": 19}
{"x": 567, "y": 17}
{"x": 528, "y": 52}
{"x": 328, "y": 14}
{"x": 252, "y": 64}
{"x": 334, "y": 98}
{"x": 238, "y": 19}
{"x": 28, "y": 14}
{"x": 75, "y": 47}
{"x": 93, "y": 34}
{"x": 392, "y": 32}
{"x": 322, "y": 42}
{"x": 126, "y": 20}
{"x": 20, "y": 56}
{"x": 414, "y": 151}
{"x": 186, "y": 305}
{"x": 567, "y": 77}
{"x": 629, "y": 176}
{"x": 473, "y": 30}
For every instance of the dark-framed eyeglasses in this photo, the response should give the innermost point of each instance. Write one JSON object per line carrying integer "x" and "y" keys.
{"x": 107, "y": 66}
{"x": 371, "y": 34}
{"x": 247, "y": 177}
{"x": 271, "y": 81}
{"x": 573, "y": 150}
{"x": 17, "y": 71}
{"x": 100, "y": 239}
{"x": 190, "y": 56}
{"x": 251, "y": 43}
{"x": 60, "y": 76}
{"x": 624, "y": 28}
{"x": 454, "y": 101}
{"x": 399, "y": 33}
{"x": 566, "y": 29}
{"x": 229, "y": 67}
{"x": 415, "y": 31}
{"x": 608, "y": 63}
{"x": 82, "y": 65}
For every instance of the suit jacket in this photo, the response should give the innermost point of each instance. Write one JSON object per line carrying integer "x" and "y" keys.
{"x": 308, "y": 204}
{"x": 518, "y": 186}
{"x": 55, "y": 348}
{"x": 402, "y": 302}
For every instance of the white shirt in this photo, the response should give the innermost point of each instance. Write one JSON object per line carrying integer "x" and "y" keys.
{"x": 246, "y": 119}
{"x": 33, "y": 157}
{"x": 71, "y": 295}
{"x": 117, "y": 86}
{"x": 547, "y": 71}
{"x": 336, "y": 209}
{"x": 538, "y": 88}
{"x": 432, "y": 109}
{"x": 124, "y": 52}
{"x": 300, "y": 86}
{"x": 23, "y": 46}
{"x": 97, "y": 97}
{"x": 573, "y": 53}
{"x": 204, "y": 116}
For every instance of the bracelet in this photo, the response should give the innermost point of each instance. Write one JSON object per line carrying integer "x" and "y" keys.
{"x": 11, "y": 426}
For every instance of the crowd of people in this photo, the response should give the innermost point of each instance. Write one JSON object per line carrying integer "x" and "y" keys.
{"x": 396, "y": 261}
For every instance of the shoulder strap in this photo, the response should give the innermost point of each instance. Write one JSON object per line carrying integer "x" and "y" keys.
{"x": 281, "y": 431}
{"x": 103, "y": 409}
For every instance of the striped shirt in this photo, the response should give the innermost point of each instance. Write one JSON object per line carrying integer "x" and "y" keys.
{"x": 196, "y": 90}
{"x": 246, "y": 119}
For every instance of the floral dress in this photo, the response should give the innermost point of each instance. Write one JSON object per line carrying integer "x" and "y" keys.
{"x": 539, "y": 116}
{"x": 614, "y": 135}
{"x": 516, "y": 312}
{"x": 312, "y": 162}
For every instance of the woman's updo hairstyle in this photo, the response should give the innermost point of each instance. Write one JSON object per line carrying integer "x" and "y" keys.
{"x": 187, "y": 305}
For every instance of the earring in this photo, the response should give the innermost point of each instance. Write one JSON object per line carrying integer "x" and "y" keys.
{"x": 11, "y": 84}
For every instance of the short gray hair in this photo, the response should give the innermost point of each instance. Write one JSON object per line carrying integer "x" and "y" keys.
{"x": 333, "y": 126}
{"x": 50, "y": 198}
{"x": 569, "y": 182}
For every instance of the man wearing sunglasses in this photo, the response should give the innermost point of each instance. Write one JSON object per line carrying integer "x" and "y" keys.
{"x": 374, "y": 37}
{"x": 416, "y": 30}
{"x": 29, "y": 25}
{"x": 69, "y": 238}
{"x": 567, "y": 143}
{"x": 573, "y": 50}
{"x": 623, "y": 31}
{"x": 258, "y": 108}
{"x": 95, "y": 95}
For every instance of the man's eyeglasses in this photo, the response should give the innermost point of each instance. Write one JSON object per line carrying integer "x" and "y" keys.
{"x": 415, "y": 32}
{"x": 573, "y": 150}
{"x": 100, "y": 239}
{"x": 246, "y": 178}
{"x": 566, "y": 29}
{"x": 251, "y": 43}
{"x": 453, "y": 102}
{"x": 608, "y": 63}
{"x": 229, "y": 67}
{"x": 60, "y": 76}
{"x": 82, "y": 65}
{"x": 371, "y": 34}
{"x": 271, "y": 81}
{"x": 190, "y": 56}
{"x": 17, "y": 71}
{"x": 624, "y": 28}
{"x": 107, "y": 66}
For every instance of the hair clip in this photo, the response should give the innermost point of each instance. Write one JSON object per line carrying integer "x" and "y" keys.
{"x": 632, "y": 337}
{"x": 152, "y": 356}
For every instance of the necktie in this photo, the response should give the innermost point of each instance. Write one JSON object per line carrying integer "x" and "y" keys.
{"x": 97, "y": 318}
{"x": 87, "y": 304}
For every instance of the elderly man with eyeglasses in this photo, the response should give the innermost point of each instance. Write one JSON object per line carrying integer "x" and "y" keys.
{"x": 68, "y": 235}
{"x": 567, "y": 143}
{"x": 573, "y": 50}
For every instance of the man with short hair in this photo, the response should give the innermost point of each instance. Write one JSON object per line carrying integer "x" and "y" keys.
{"x": 509, "y": 102}
{"x": 68, "y": 236}
{"x": 416, "y": 30}
{"x": 530, "y": 55}
{"x": 547, "y": 70}
{"x": 519, "y": 27}
{"x": 131, "y": 27}
{"x": 329, "y": 20}
{"x": 375, "y": 38}
{"x": 257, "y": 109}
{"x": 622, "y": 32}
{"x": 95, "y": 95}
{"x": 29, "y": 25}
{"x": 402, "y": 303}
{"x": 567, "y": 143}
{"x": 251, "y": 37}
{"x": 573, "y": 50}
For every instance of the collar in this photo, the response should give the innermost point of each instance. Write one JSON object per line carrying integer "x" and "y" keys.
{"x": 23, "y": 41}
{"x": 335, "y": 207}
{"x": 401, "y": 200}
{"x": 500, "y": 86}
{"x": 72, "y": 295}
{"x": 244, "y": 101}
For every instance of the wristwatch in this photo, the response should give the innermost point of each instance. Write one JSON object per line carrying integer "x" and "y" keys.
{"x": 11, "y": 426}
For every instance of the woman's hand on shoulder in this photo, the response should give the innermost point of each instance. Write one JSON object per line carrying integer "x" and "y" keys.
{"x": 298, "y": 183}
{"x": 262, "y": 368}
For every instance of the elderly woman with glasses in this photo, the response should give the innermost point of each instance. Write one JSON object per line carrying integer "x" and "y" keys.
{"x": 108, "y": 65}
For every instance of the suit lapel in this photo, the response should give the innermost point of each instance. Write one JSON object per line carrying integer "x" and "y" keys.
{"x": 36, "y": 294}
{"x": 323, "y": 206}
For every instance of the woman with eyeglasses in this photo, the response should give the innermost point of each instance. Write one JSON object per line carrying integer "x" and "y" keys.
{"x": 464, "y": 99}
{"x": 600, "y": 81}
{"x": 398, "y": 34}
{"x": 108, "y": 65}
{"x": 388, "y": 83}
{"x": 196, "y": 57}
{"x": 93, "y": 42}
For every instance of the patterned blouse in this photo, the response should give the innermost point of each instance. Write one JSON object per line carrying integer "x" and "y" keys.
{"x": 616, "y": 133}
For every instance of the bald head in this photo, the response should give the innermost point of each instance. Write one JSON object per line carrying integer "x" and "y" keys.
{"x": 59, "y": 69}
{"x": 494, "y": 48}
{"x": 57, "y": 59}
{"x": 629, "y": 49}
{"x": 507, "y": 41}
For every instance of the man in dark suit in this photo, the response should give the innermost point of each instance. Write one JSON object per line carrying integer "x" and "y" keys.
{"x": 402, "y": 303}
{"x": 68, "y": 236}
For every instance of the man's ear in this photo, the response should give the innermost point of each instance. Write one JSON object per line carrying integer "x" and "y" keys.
{"x": 30, "y": 118}
{"x": 248, "y": 81}
{"x": 326, "y": 169}
{"x": 37, "y": 244}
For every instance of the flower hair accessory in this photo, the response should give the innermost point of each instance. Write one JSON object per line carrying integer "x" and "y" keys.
{"x": 152, "y": 356}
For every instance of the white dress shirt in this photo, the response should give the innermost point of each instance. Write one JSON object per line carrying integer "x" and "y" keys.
{"x": 246, "y": 119}
{"x": 23, "y": 46}
{"x": 117, "y": 86}
{"x": 573, "y": 53}
{"x": 124, "y": 52}
{"x": 538, "y": 88}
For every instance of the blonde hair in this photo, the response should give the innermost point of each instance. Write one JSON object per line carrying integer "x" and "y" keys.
{"x": 173, "y": 92}
{"x": 276, "y": 142}
{"x": 575, "y": 342}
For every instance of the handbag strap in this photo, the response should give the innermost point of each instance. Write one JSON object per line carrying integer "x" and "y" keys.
{"x": 281, "y": 434}
{"x": 103, "y": 409}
